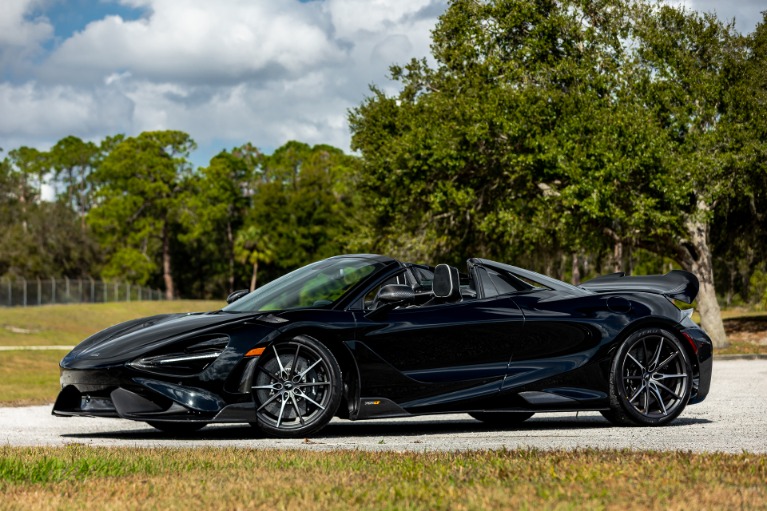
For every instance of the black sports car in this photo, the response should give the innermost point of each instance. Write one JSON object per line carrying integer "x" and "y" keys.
{"x": 367, "y": 336}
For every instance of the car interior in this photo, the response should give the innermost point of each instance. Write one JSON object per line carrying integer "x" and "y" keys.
{"x": 445, "y": 284}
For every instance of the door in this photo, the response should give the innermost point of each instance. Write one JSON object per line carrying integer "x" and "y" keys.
{"x": 438, "y": 357}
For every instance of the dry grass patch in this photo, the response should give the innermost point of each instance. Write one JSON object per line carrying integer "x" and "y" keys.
{"x": 29, "y": 377}
{"x": 240, "y": 478}
{"x": 747, "y": 334}
{"x": 69, "y": 324}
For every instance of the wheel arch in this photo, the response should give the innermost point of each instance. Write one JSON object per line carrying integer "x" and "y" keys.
{"x": 657, "y": 322}
{"x": 349, "y": 371}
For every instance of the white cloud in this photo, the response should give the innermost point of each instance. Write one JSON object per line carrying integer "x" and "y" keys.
{"x": 21, "y": 38}
{"x": 350, "y": 17}
{"x": 745, "y": 12}
{"x": 198, "y": 41}
{"x": 52, "y": 112}
{"x": 232, "y": 71}
{"x": 18, "y": 31}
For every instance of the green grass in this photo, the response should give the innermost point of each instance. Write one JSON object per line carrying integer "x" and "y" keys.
{"x": 80, "y": 477}
{"x": 69, "y": 324}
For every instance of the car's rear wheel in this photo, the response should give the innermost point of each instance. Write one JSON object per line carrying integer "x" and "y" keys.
{"x": 297, "y": 388}
{"x": 177, "y": 428}
{"x": 502, "y": 418}
{"x": 650, "y": 379}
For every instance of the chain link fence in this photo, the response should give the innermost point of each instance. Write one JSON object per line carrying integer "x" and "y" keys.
{"x": 29, "y": 292}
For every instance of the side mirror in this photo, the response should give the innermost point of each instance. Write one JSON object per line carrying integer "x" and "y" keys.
{"x": 237, "y": 295}
{"x": 395, "y": 293}
{"x": 389, "y": 297}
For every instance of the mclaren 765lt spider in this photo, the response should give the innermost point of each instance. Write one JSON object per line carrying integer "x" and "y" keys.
{"x": 367, "y": 336}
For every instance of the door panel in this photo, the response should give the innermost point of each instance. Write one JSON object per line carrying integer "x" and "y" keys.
{"x": 558, "y": 338}
{"x": 448, "y": 347}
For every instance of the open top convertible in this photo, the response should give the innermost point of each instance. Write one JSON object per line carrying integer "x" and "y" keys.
{"x": 367, "y": 336}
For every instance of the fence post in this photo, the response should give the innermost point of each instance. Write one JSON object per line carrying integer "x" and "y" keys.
{"x": 39, "y": 291}
{"x": 127, "y": 293}
{"x": 53, "y": 289}
{"x": 24, "y": 300}
{"x": 105, "y": 290}
{"x": 93, "y": 290}
{"x": 66, "y": 285}
{"x": 10, "y": 293}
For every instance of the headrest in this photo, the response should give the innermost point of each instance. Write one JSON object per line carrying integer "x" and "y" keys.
{"x": 445, "y": 281}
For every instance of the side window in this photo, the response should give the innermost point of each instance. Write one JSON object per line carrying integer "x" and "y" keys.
{"x": 493, "y": 284}
{"x": 501, "y": 285}
{"x": 423, "y": 277}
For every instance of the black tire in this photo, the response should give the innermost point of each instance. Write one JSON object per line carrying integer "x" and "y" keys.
{"x": 177, "y": 428}
{"x": 297, "y": 388}
{"x": 502, "y": 418}
{"x": 650, "y": 379}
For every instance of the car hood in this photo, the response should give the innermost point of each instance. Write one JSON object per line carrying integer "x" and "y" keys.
{"x": 136, "y": 337}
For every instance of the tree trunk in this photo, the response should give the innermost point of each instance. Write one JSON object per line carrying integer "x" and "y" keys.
{"x": 166, "y": 266}
{"x": 618, "y": 256}
{"x": 696, "y": 258}
{"x": 253, "y": 278}
{"x": 230, "y": 240}
{"x": 576, "y": 270}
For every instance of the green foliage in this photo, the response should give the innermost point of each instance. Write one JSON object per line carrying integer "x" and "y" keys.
{"x": 139, "y": 193}
{"x": 73, "y": 162}
{"x": 739, "y": 231}
{"x": 214, "y": 208}
{"x": 37, "y": 239}
{"x": 302, "y": 209}
{"x": 546, "y": 127}
{"x": 133, "y": 209}
{"x": 508, "y": 145}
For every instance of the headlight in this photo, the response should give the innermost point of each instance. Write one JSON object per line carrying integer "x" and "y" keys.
{"x": 194, "y": 359}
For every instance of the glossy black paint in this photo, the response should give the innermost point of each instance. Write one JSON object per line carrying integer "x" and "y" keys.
{"x": 537, "y": 349}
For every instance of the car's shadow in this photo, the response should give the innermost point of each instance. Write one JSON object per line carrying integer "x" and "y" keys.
{"x": 382, "y": 428}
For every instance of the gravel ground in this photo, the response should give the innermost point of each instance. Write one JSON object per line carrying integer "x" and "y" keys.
{"x": 732, "y": 419}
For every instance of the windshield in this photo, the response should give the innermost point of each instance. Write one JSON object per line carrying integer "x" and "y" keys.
{"x": 316, "y": 285}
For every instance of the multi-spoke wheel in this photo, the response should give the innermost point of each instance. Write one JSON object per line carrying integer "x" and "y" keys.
{"x": 650, "y": 379}
{"x": 297, "y": 388}
{"x": 502, "y": 418}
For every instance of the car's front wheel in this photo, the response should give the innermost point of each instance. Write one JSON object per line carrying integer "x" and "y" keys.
{"x": 297, "y": 388}
{"x": 650, "y": 379}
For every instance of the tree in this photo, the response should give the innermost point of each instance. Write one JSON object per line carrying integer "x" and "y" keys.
{"x": 38, "y": 238}
{"x": 73, "y": 162}
{"x": 139, "y": 190}
{"x": 683, "y": 76}
{"x": 548, "y": 126}
{"x": 302, "y": 198}
{"x": 739, "y": 226}
{"x": 253, "y": 246}
{"x": 469, "y": 155}
{"x": 215, "y": 208}
{"x": 29, "y": 167}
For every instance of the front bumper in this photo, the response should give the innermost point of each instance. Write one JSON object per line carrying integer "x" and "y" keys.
{"x": 112, "y": 393}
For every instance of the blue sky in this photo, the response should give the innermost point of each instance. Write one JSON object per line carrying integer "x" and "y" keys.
{"x": 226, "y": 72}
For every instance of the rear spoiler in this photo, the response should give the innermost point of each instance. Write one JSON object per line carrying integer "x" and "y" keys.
{"x": 677, "y": 284}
